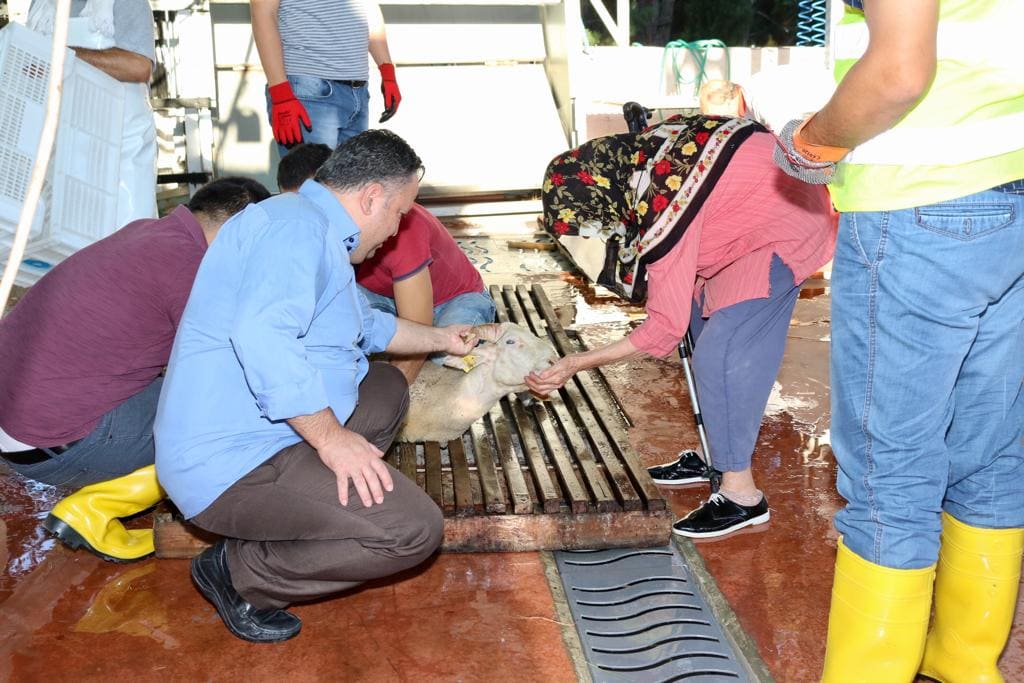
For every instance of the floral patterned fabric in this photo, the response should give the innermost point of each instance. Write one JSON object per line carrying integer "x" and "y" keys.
{"x": 635, "y": 194}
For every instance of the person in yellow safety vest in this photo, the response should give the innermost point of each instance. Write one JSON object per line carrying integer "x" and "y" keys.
{"x": 922, "y": 146}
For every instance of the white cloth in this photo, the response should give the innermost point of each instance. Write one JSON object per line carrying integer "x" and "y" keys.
{"x": 99, "y": 12}
{"x": 8, "y": 444}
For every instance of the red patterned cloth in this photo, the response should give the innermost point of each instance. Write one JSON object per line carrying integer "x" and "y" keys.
{"x": 634, "y": 195}
{"x": 755, "y": 211}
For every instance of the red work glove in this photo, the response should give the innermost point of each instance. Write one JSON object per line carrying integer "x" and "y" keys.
{"x": 389, "y": 88}
{"x": 286, "y": 113}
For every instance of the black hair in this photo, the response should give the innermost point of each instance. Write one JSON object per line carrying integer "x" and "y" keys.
{"x": 224, "y": 197}
{"x": 300, "y": 164}
{"x": 373, "y": 156}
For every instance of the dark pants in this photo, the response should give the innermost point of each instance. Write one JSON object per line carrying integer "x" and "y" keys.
{"x": 119, "y": 444}
{"x": 290, "y": 539}
{"x": 737, "y": 354}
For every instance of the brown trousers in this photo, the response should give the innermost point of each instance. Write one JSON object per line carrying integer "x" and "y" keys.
{"x": 290, "y": 539}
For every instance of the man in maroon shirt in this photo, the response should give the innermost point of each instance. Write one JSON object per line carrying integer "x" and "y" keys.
{"x": 80, "y": 362}
{"x": 422, "y": 275}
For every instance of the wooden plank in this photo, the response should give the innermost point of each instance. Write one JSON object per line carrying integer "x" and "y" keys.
{"x": 494, "y": 498}
{"x": 520, "y": 533}
{"x": 392, "y": 456}
{"x": 432, "y": 458}
{"x": 593, "y": 477}
{"x": 622, "y": 487}
{"x": 619, "y": 439}
{"x": 460, "y": 479}
{"x": 176, "y": 539}
{"x": 547, "y": 493}
{"x": 560, "y": 459}
{"x": 522, "y": 504}
{"x": 407, "y": 460}
{"x": 515, "y": 310}
{"x": 605, "y": 497}
{"x": 499, "y": 304}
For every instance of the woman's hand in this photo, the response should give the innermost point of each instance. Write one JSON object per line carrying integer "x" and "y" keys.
{"x": 554, "y": 377}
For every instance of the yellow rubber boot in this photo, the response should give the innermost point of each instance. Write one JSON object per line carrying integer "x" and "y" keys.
{"x": 88, "y": 518}
{"x": 877, "y": 622}
{"x": 975, "y": 599}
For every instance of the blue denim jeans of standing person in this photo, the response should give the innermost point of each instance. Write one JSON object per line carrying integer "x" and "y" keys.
{"x": 927, "y": 362}
{"x": 121, "y": 443}
{"x": 471, "y": 308}
{"x": 337, "y": 111}
{"x": 736, "y": 358}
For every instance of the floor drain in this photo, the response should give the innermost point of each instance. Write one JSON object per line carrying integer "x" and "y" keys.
{"x": 641, "y": 618}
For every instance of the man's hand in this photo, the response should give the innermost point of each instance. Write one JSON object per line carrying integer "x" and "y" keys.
{"x": 389, "y": 89}
{"x": 554, "y": 377}
{"x": 350, "y": 456}
{"x": 790, "y": 157}
{"x": 286, "y": 114}
{"x": 457, "y": 340}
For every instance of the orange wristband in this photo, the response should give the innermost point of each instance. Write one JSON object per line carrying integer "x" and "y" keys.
{"x": 816, "y": 153}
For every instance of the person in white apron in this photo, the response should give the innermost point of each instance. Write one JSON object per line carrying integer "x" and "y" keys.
{"x": 104, "y": 41}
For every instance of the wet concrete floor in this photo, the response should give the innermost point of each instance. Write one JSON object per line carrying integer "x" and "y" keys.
{"x": 485, "y": 617}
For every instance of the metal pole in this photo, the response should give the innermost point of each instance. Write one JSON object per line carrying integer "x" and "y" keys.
{"x": 43, "y": 151}
{"x": 686, "y": 354}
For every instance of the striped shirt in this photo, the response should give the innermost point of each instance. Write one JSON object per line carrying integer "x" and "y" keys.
{"x": 325, "y": 38}
{"x": 755, "y": 211}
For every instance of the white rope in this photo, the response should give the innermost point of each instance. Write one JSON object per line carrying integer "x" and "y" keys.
{"x": 46, "y": 140}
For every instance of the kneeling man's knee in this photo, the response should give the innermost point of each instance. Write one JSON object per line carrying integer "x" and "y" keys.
{"x": 423, "y": 531}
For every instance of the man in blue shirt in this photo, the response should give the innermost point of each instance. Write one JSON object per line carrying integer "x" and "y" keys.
{"x": 271, "y": 418}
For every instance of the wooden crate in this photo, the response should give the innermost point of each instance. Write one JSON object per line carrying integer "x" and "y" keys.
{"x": 530, "y": 475}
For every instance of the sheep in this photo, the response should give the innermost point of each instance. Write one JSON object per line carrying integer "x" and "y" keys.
{"x": 445, "y": 400}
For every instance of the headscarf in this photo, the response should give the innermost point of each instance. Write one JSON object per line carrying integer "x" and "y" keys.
{"x": 619, "y": 203}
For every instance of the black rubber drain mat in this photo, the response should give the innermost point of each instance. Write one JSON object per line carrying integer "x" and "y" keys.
{"x": 640, "y": 617}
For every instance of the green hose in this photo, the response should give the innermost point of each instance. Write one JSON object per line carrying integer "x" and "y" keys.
{"x": 697, "y": 49}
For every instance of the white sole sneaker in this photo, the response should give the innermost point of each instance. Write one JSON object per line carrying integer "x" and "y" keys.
{"x": 753, "y": 521}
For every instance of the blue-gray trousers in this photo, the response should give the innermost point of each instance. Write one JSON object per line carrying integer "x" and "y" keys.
{"x": 736, "y": 358}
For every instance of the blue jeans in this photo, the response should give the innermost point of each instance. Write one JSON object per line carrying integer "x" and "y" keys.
{"x": 121, "y": 443}
{"x": 927, "y": 362}
{"x": 471, "y": 308}
{"x": 337, "y": 111}
{"x": 736, "y": 358}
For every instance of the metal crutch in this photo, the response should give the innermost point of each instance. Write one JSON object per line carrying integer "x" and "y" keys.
{"x": 636, "y": 116}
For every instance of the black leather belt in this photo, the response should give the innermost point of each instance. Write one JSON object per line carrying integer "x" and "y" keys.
{"x": 36, "y": 455}
{"x": 352, "y": 84}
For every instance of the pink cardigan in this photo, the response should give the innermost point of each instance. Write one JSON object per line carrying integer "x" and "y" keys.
{"x": 755, "y": 211}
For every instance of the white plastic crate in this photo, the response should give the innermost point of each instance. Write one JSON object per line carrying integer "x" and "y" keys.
{"x": 79, "y": 201}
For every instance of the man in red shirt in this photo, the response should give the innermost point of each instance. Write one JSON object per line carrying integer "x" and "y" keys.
{"x": 422, "y": 275}
{"x": 80, "y": 362}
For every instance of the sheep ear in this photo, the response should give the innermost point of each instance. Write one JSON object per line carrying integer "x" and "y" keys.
{"x": 456, "y": 362}
{"x": 481, "y": 355}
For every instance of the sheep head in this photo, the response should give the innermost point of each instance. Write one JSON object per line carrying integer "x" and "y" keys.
{"x": 508, "y": 354}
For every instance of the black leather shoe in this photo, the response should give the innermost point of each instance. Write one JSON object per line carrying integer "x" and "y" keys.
{"x": 719, "y": 516}
{"x": 688, "y": 469}
{"x": 211, "y": 575}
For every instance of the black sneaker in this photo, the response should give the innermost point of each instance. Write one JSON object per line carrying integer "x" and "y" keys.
{"x": 211, "y": 575}
{"x": 687, "y": 469}
{"x": 720, "y": 516}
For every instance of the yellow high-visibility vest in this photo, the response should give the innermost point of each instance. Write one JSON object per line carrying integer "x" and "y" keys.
{"x": 965, "y": 135}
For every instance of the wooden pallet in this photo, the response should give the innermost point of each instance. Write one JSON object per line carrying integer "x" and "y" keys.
{"x": 534, "y": 475}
